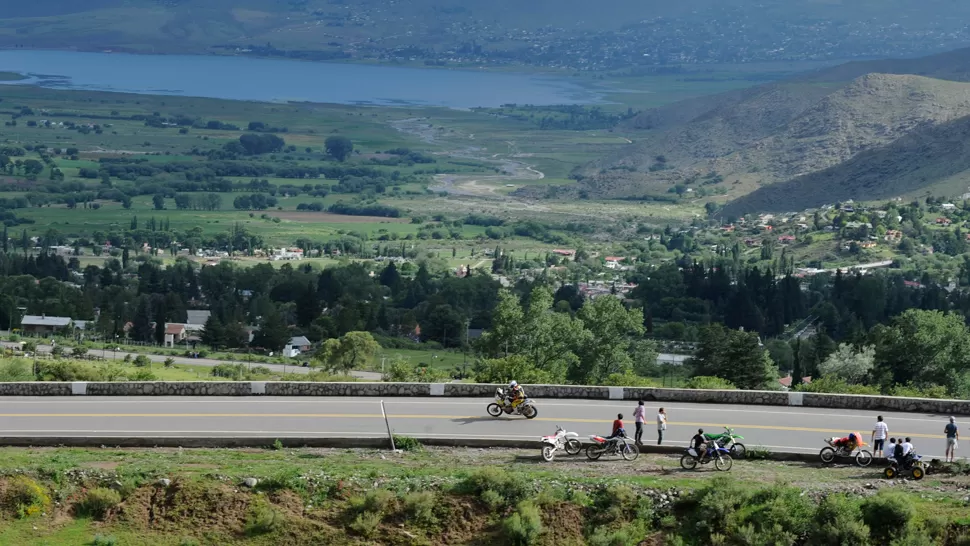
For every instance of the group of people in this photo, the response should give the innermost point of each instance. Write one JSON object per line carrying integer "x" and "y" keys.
{"x": 640, "y": 420}
{"x": 903, "y": 447}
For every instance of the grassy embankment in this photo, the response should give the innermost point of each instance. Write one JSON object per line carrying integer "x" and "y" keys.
{"x": 455, "y": 496}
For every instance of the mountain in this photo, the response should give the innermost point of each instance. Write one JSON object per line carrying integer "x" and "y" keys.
{"x": 739, "y": 142}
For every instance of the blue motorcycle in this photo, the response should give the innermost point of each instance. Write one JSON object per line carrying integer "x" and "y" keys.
{"x": 719, "y": 455}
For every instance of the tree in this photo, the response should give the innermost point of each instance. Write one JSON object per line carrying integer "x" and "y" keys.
{"x": 735, "y": 356}
{"x": 212, "y": 332}
{"x": 273, "y": 333}
{"x": 605, "y": 349}
{"x": 339, "y": 147}
{"x": 349, "y": 351}
{"x": 158, "y": 200}
{"x": 924, "y": 348}
{"x": 849, "y": 364}
{"x": 141, "y": 325}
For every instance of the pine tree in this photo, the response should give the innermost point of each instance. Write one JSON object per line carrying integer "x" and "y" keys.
{"x": 141, "y": 325}
{"x": 6, "y": 240}
{"x": 273, "y": 333}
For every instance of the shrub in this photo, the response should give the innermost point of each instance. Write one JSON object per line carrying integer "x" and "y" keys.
{"x": 169, "y": 362}
{"x": 374, "y": 502}
{"x": 97, "y": 502}
{"x": 142, "y": 375}
{"x": 142, "y": 361}
{"x": 834, "y": 385}
{"x": 629, "y": 380}
{"x": 263, "y": 518}
{"x": 15, "y": 370}
{"x": 524, "y": 526}
{"x": 290, "y": 480}
{"x": 104, "y": 540}
{"x": 911, "y": 391}
{"x": 406, "y": 443}
{"x": 888, "y": 515}
{"x": 508, "y": 487}
{"x": 366, "y": 524}
{"x": 627, "y": 535}
{"x": 614, "y": 503}
{"x": 25, "y": 498}
{"x": 757, "y": 453}
{"x": 709, "y": 383}
{"x": 419, "y": 507}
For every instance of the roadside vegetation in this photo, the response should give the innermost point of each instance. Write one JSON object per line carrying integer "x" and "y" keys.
{"x": 178, "y": 497}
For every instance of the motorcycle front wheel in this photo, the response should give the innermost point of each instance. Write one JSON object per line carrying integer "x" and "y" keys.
{"x": 594, "y": 452}
{"x": 863, "y": 458}
{"x": 827, "y": 454}
{"x": 629, "y": 451}
{"x": 494, "y": 409}
{"x": 573, "y": 446}
{"x": 918, "y": 473}
{"x": 548, "y": 453}
{"x": 688, "y": 462}
{"x": 530, "y": 412}
{"x": 738, "y": 451}
{"x": 723, "y": 463}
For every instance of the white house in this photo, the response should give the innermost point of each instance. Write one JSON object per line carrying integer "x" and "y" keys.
{"x": 296, "y": 346}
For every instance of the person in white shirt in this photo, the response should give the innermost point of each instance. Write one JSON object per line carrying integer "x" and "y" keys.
{"x": 661, "y": 425}
{"x": 639, "y": 418}
{"x": 879, "y": 434}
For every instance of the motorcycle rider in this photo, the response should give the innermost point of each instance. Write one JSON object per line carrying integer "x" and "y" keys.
{"x": 698, "y": 443}
{"x": 618, "y": 430}
{"x": 516, "y": 394}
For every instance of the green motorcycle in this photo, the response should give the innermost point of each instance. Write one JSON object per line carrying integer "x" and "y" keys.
{"x": 729, "y": 441}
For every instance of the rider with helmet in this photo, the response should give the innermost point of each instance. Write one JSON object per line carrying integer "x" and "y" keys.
{"x": 516, "y": 394}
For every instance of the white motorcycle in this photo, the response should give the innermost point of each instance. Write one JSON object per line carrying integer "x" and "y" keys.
{"x": 562, "y": 440}
{"x": 501, "y": 405}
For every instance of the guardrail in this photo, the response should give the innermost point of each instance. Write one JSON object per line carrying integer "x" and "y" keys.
{"x": 478, "y": 390}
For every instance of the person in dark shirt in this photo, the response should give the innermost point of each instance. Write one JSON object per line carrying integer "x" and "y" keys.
{"x": 698, "y": 443}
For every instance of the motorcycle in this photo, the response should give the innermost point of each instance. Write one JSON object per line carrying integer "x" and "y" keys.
{"x": 728, "y": 440}
{"x": 620, "y": 445}
{"x": 836, "y": 449}
{"x": 714, "y": 452}
{"x": 562, "y": 440}
{"x": 913, "y": 464}
{"x": 501, "y": 405}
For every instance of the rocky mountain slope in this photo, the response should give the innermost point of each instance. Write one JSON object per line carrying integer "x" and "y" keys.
{"x": 735, "y": 143}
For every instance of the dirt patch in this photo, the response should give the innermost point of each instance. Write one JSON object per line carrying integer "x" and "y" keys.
{"x": 566, "y": 519}
{"x": 466, "y": 521}
{"x": 320, "y": 217}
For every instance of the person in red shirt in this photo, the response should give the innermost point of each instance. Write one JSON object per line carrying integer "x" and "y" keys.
{"x": 618, "y": 426}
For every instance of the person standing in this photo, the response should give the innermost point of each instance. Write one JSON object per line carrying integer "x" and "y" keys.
{"x": 639, "y": 418}
{"x": 879, "y": 434}
{"x": 661, "y": 425}
{"x": 952, "y": 436}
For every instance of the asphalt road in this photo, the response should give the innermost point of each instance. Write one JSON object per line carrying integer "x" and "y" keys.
{"x": 776, "y": 428}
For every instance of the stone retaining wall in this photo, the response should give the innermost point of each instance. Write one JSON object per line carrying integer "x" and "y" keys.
{"x": 470, "y": 390}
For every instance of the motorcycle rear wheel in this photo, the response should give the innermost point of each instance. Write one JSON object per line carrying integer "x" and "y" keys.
{"x": 629, "y": 451}
{"x": 827, "y": 454}
{"x": 723, "y": 463}
{"x": 594, "y": 452}
{"x": 573, "y": 446}
{"x": 688, "y": 462}
{"x": 548, "y": 453}
{"x": 494, "y": 409}
{"x": 863, "y": 458}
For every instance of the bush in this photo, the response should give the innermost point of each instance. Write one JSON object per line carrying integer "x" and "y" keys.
{"x": 229, "y": 371}
{"x": 503, "y": 370}
{"x": 888, "y": 515}
{"x": 169, "y": 362}
{"x": 629, "y": 380}
{"x": 911, "y": 391}
{"x": 524, "y": 526}
{"x": 15, "y": 370}
{"x": 419, "y": 507}
{"x": 366, "y": 524}
{"x": 263, "y": 518}
{"x": 97, "y": 502}
{"x": 374, "y": 502}
{"x": 142, "y": 361}
{"x": 838, "y": 520}
{"x": 25, "y": 498}
{"x": 104, "y": 540}
{"x": 406, "y": 443}
{"x": 709, "y": 383}
{"x": 142, "y": 375}
{"x": 491, "y": 484}
{"x": 835, "y": 385}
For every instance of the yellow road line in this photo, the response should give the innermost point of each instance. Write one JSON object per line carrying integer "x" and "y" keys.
{"x": 714, "y": 426}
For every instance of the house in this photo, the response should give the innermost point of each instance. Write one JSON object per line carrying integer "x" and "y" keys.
{"x": 948, "y": 206}
{"x": 867, "y": 244}
{"x": 786, "y": 239}
{"x": 894, "y": 235}
{"x": 943, "y": 221}
{"x": 44, "y": 325}
{"x": 287, "y": 254}
{"x": 174, "y": 333}
{"x": 297, "y": 345}
{"x": 566, "y": 253}
{"x": 197, "y": 316}
{"x": 728, "y": 229}
{"x": 752, "y": 242}
{"x": 786, "y": 381}
{"x": 613, "y": 262}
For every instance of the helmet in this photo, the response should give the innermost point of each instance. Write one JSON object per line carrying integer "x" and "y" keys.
{"x": 513, "y": 384}
{"x": 700, "y": 431}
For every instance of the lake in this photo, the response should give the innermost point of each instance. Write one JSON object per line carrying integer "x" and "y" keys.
{"x": 242, "y": 78}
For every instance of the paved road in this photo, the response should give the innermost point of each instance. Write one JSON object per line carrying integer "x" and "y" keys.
{"x": 777, "y": 428}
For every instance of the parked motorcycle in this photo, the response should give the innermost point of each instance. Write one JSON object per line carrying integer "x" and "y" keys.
{"x": 501, "y": 405}
{"x": 719, "y": 455}
{"x": 561, "y": 441}
{"x": 836, "y": 449}
{"x": 729, "y": 441}
{"x": 620, "y": 445}
{"x": 913, "y": 464}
